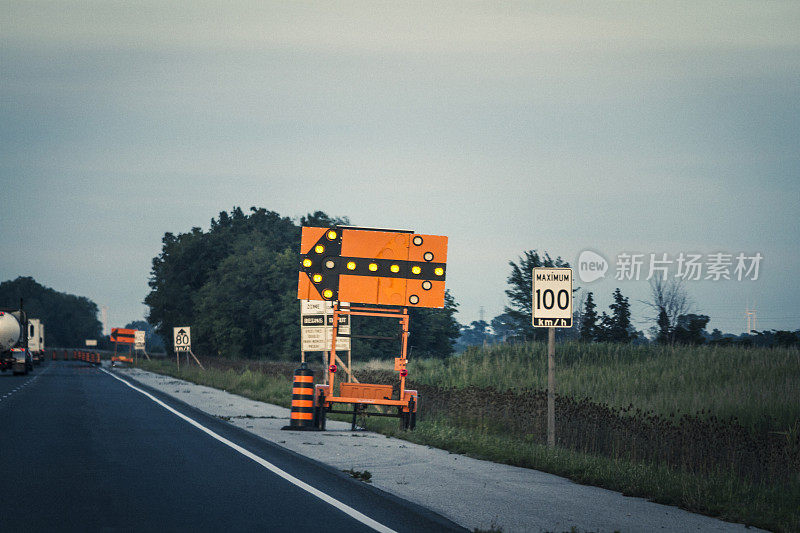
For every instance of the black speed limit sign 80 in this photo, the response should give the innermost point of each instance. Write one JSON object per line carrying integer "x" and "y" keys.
{"x": 552, "y": 297}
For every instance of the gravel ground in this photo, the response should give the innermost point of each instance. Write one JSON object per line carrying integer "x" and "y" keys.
{"x": 472, "y": 493}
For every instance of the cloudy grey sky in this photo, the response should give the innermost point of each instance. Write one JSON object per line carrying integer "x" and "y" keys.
{"x": 620, "y": 128}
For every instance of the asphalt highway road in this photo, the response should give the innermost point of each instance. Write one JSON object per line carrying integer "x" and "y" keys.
{"x": 84, "y": 451}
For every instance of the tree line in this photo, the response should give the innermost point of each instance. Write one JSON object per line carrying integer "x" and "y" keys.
{"x": 68, "y": 319}
{"x": 515, "y": 324}
{"x": 236, "y": 286}
{"x": 674, "y": 321}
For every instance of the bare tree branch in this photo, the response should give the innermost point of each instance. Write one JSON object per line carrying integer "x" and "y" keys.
{"x": 670, "y": 296}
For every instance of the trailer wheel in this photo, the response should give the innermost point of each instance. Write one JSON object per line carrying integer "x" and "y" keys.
{"x": 408, "y": 420}
{"x": 319, "y": 413}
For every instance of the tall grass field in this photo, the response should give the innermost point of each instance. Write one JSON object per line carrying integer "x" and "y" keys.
{"x": 714, "y": 430}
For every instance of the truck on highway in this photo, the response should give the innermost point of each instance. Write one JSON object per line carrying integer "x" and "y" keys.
{"x": 14, "y": 353}
{"x": 36, "y": 340}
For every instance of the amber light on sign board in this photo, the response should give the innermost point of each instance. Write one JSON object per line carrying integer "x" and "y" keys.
{"x": 372, "y": 266}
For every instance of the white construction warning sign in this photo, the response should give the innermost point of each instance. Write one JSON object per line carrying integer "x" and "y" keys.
{"x": 138, "y": 340}
{"x": 316, "y": 327}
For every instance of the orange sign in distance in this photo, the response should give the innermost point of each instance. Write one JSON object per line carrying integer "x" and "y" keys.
{"x": 369, "y": 266}
{"x": 123, "y": 336}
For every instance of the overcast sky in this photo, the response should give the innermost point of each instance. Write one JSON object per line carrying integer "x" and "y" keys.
{"x": 638, "y": 128}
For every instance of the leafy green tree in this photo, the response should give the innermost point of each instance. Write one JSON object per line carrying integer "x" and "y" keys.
{"x": 604, "y": 327}
{"x": 236, "y": 285}
{"x": 153, "y": 341}
{"x": 321, "y": 220}
{"x": 690, "y": 329}
{"x": 214, "y": 281}
{"x": 589, "y": 319}
{"x": 520, "y": 291}
{"x": 177, "y": 273}
{"x": 434, "y": 331}
{"x": 476, "y": 334}
{"x": 664, "y": 330}
{"x": 620, "y": 329}
{"x": 617, "y": 326}
{"x": 786, "y": 338}
{"x": 69, "y": 320}
{"x": 249, "y": 306}
{"x": 503, "y": 328}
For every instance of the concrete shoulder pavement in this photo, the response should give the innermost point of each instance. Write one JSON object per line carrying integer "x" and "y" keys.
{"x": 472, "y": 493}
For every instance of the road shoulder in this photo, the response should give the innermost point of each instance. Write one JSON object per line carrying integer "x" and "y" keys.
{"x": 475, "y": 494}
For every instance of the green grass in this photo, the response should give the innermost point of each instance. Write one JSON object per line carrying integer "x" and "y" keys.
{"x": 255, "y": 385}
{"x": 722, "y": 495}
{"x": 761, "y": 387}
{"x": 752, "y": 384}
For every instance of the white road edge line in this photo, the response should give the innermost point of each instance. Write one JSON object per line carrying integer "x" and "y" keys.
{"x": 364, "y": 519}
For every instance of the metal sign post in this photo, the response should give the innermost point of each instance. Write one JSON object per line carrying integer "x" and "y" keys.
{"x": 552, "y": 308}
{"x": 551, "y": 387}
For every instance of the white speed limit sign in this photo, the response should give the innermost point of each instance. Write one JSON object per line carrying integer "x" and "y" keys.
{"x": 182, "y": 338}
{"x": 552, "y": 297}
{"x": 139, "y": 340}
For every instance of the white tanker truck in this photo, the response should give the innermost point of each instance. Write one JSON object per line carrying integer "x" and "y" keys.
{"x": 36, "y": 340}
{"x": 14, "y": 352}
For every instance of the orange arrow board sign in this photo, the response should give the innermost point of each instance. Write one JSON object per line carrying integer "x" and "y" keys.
{"x": 123, "y": 336}
{"x": 369, "y": 266}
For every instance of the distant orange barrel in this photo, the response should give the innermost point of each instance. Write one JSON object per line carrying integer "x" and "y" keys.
{"x": 302, "y": 413}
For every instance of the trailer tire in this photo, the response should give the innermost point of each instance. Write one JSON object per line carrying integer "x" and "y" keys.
{"x": 319, "y": 413}
{"x": 405, "y": 420}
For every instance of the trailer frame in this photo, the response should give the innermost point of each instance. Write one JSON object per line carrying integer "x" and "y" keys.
{"x": 363, "y": 395}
